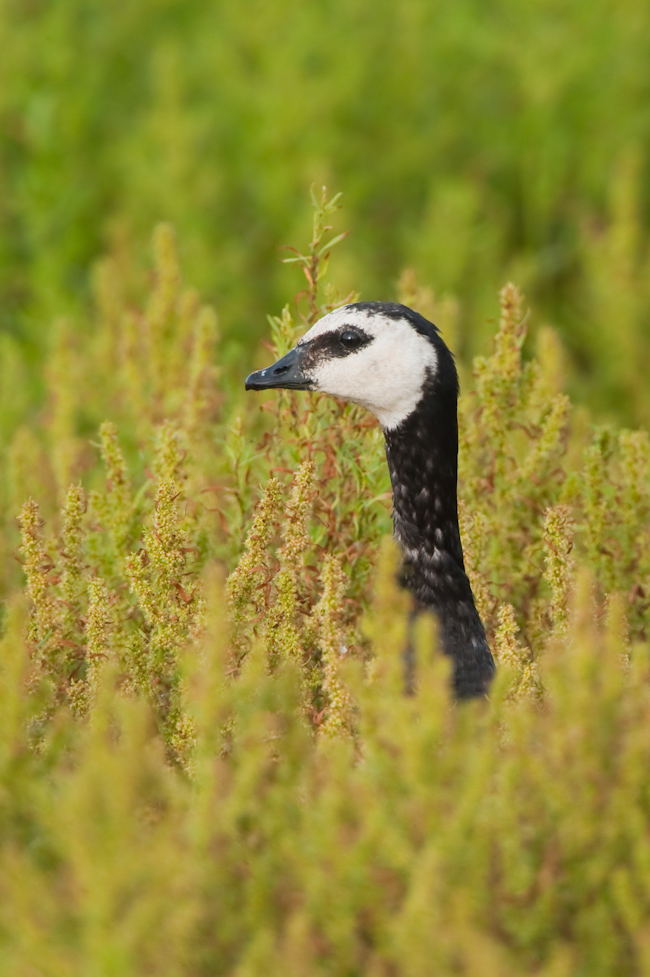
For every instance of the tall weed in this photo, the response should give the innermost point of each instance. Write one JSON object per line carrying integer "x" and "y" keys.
{"x": 207, "y": 762}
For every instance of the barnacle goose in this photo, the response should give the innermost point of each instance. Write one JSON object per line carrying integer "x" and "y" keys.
{"x": 394, "y": 362}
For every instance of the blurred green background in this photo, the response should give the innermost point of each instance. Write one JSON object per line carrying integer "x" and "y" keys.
{"x": 474, "y": 141}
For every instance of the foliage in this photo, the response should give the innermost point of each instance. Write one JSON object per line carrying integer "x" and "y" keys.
{"x": 474, "y": 143}
{"x": 207, "y": 761}
{"x": 506, "y": 838}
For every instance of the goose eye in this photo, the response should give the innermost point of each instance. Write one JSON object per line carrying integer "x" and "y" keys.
{"x": 351, "y": 339}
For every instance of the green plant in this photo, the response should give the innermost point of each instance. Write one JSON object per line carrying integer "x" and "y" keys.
{"x": 207, "y": 761}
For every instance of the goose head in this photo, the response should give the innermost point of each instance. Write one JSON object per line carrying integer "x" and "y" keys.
{"x": 381, "y": 355}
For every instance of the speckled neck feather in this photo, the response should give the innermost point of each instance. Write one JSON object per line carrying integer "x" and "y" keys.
{"x": 422, "y": 456}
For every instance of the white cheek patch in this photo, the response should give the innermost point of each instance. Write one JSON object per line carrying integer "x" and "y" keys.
{"x": 387, "y": 376}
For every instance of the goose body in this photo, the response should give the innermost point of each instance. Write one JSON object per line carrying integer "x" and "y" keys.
{"x": 394, "y": 362}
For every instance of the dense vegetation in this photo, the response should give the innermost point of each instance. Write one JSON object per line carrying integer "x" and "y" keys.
{"x": 476, "y": 143}
{"x": 207, "y": 762}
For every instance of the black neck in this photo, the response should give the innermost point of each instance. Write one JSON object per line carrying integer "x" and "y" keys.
{"x": 422, "y": 456}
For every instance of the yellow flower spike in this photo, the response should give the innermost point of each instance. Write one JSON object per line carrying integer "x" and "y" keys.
{"x": 72, "y": 536}
{"x": 281, "y": 629}
{"x": 44, "y": 628}
{"x": 244, "y": 586}
{"x": 510, "y": 653}
{"x": 560, "y": 563}
{"x": 137, "y": 572}
{"x": 115, "y": 505}
{"x": 498, "y": 376}
{"x": 169, "y": 453}
{"x": 553, "y": 429}
{"x": 594, "y": 501}
{"x": 82, "y": 693}
{"x": 112, "y": 457}
{"x": 332, "y": 640}
{"x": 474, "y": 536}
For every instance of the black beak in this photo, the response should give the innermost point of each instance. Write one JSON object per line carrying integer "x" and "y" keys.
{"x": 287, "y": 373}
